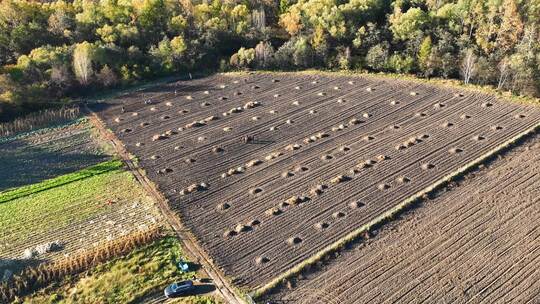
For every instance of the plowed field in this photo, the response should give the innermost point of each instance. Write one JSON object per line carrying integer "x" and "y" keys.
{"x": 329, "y": 154}
{"x": 478, "y": 243}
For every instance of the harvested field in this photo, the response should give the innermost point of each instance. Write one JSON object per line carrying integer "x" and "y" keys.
{"x": 325, "y": 156}
{"x": 476, "y": 243}
{"x": 45, "y": 221}
{"x": 47, "y": 153}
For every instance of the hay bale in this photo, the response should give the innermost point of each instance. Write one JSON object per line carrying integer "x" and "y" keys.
{"x": 339, "y": 179}
{"x": 287, "y": 174}
{"x": 317, "y": 190}
{"x": 255, "y": 191}
{"x": 158, "y": 137}
{"x": 253, "y": 163}
{"x": 382, "y": 157}
{"x": 273, "y": 211}
{"x": 327, "y": 157}
{"x": 261, "y": 260}
{"x": 294, "y": 240}
{"x": 338, "y": 214}
{"x": 229, "y": 233}
{"x": 383, "y": 186}
{"x": 427, "y": 166}
{"x": 403, "y": 179}
{"x": 293, "y": 147}
{"x": 356, "y": 204}
{"x": 321, "y": 225}
{"x": 486, "y": 104}
{"x": 251, "y": 105}
{"x": 241, "y": 228}
{"x": 195, "y": 124}
{"x": 368, "y": 138}
{"x": 354, "y": 121}
{"x": 223, "y": 206}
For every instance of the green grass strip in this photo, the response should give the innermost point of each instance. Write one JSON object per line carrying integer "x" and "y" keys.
{"x": 23, "y": 191}
{"x": 390, "y": 214}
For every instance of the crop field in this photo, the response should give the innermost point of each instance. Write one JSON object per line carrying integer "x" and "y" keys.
{"x": 36, "y": 156}
{"x": 476, "y": 243}
{"x": 266, "y": 170}
{"x": 70, "y": 213}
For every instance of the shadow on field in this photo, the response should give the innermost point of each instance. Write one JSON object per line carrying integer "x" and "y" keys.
{"x": 202, "y": 289}
{"x": 23, "y": 164}
{"x": 8, "y": 267}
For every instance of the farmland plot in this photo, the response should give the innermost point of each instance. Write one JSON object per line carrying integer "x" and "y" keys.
{"x": 268, "y": 169}
{"x": 477, "y": 243}
{"x": 45, "y": 221}
{"x": 46, "y": 154}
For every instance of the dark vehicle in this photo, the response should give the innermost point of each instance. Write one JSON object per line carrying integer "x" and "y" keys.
{"x": 178, "y": 289}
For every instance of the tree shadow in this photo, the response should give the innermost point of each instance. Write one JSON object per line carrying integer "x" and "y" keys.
{"x": 16, "y": 266}
{"x": 23, "y": 163}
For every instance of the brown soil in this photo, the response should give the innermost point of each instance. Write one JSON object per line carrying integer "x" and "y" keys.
{"x": 425, "y": 140}
{"x": 477, "y": 243}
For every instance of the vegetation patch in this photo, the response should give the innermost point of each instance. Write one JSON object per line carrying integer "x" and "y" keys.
{"x": 128, "y": 279}
{"x": 36, "y": 210}
{"x": 108, "y": 166}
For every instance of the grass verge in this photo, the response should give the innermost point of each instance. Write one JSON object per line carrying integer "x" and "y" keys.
{"x": 391, "y": 213}
{"x": 129, "y": 279}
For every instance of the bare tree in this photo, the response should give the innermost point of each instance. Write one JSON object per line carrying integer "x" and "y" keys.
{"x": 468, "y": 66}
{"x": 264, "y": 54}
{"x": 82, "y": 62}
{"x": 504, "y": 73}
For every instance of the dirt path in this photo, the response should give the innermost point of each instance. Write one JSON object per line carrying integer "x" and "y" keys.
{"x": 479, "y": 242}
{"x": 191, "y": 249}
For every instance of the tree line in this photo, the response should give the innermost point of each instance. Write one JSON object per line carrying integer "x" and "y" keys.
{"x": 53, "y": 51}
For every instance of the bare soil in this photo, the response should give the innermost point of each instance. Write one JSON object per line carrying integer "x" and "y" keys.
{"x": 476, "y": 243}
{"x": 267, "y": 169}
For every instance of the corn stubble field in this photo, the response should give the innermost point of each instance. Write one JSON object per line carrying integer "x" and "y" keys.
{"x": 329, "y": 154}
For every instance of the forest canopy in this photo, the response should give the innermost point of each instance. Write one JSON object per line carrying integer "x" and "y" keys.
{"x": 54, "y": 51}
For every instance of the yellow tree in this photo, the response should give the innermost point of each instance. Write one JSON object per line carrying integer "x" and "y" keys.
{"x": 511, "y": 27}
